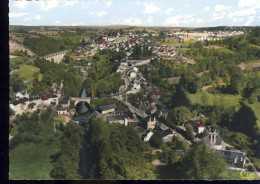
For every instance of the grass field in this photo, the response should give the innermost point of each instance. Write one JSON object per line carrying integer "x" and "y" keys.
{"x": 253, "y": 45}
{"x": 256, "y": 109}
{"x": 32, "y": 161}
{"x": 228, "y": 100}
{"x": 235, "y": 175}
{"x": 27, "y": 71}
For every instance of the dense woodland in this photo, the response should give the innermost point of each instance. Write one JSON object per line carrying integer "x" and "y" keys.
{"x": 55, "y": 73}
{"x": 121, "y": 152}
{"x": 43, "y": 45}
{"x": 103, "y": 79}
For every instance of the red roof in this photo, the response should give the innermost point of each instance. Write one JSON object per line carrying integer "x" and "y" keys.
{"x": 156, "y": 92}
{"x": 195, "y": 123}
{"x": 150, "y": 108}
{"x": 170, "y": 131}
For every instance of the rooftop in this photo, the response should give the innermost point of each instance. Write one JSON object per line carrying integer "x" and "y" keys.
{"x": 107, "y": 107}
{"x": 115, "y": 118}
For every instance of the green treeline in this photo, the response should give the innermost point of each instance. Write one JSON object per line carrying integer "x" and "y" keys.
{"x": 66, "y": 160}
{"x": 55, "y": 73}
{"x": 43, "y": 45}
{"x": 121, "y": 152}
{"x": 30, "y": 128}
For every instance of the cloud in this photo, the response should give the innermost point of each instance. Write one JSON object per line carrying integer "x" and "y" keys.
{"x": 21, "y": 4}
{"x": 132, "y": 21}
{"x": 99, "y": 14}
{"x": 249, "y": 21}
{"x": 77, "y": 24}
{"x": 249, "y": 3}
{"x": 199, "y": 20}
{"x": 181, "y": 20}
{"x": 71, "y": 2}
{"x": 150, "y": 8}
{"x": 207, "y": 8}
{"x": 218, "y": 16}
{"x": 57, "y": 21}
{"x": 108, "y": 3}
{"x": 46, "y": 5}
{"x": 220, "y": 7}
{"x": 150, "y": 20}
{"x": 36, "y": 17}
{"x": 138, "y": 2}
{"x": 168, "y": 11}
{"x": 242, "y": 13}
{"x": 14, "y": 15}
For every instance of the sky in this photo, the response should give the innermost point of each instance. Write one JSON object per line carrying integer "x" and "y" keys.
{"x": 176, "y": 13}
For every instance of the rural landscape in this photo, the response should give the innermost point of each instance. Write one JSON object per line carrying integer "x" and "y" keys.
{"x": 134, "y": 102}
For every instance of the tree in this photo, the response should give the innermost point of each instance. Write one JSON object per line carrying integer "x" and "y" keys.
{"x": 189, "y": 131}
{"x": 204, "y": 98}
{"x": 200, "y": 163}
{"x": 179, "y": 114}
{"x": 17, "y": 83}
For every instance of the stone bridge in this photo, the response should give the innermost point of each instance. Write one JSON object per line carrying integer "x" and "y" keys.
{"x": 57, "y": 57}
{"x": 79, "y": 99}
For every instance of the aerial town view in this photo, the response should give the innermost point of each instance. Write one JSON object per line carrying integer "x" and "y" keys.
{"x": 134, "y": 90}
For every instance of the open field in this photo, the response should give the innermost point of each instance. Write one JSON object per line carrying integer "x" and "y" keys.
{"x": 235, "y": 175}
{"x": 226, "y": 99}
{"x": 27, "y": 71}
{"x": 252, "y": 45}
{"x": 32, "y": 161}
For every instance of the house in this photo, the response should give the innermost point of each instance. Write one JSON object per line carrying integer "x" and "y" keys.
{"x": 22, "y": 94}
{"x": 178, "y": 152}
{"x": 146, "y": 137}
{"x": 213, "y": 140}
{"x": 62, "y": 111}
{"x": 235, "y": 159}
{"x": 197, "y": 126}
{"x": 64, "y": 102}
{"x": 168, "y": 135}
{"x": 107, "y": 108}
{"x": 46, "y": 96}
{"x": 150, "y": 122}
{"x": 161, "y": 113}
{"x": 121, "y": 119}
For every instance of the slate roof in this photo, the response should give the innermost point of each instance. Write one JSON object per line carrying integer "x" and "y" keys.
{"x": 19, "y": 101}
{"x": 115, "y": 118}
{"x": 107, "y": 107}
{"x": 178, "y": 152}
{"x": 234, "y": 158}
{"x": 64, "y": 101}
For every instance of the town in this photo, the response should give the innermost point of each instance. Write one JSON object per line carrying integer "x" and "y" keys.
{"x": 158, "y": 84}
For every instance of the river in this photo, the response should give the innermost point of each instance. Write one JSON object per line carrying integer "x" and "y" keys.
{"x": 88, "y": 159}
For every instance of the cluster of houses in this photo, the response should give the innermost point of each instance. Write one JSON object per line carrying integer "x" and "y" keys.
{"x": 110, "y": 113}
{"x": 235, "y": 159}
{"x": 136, "y": 79}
